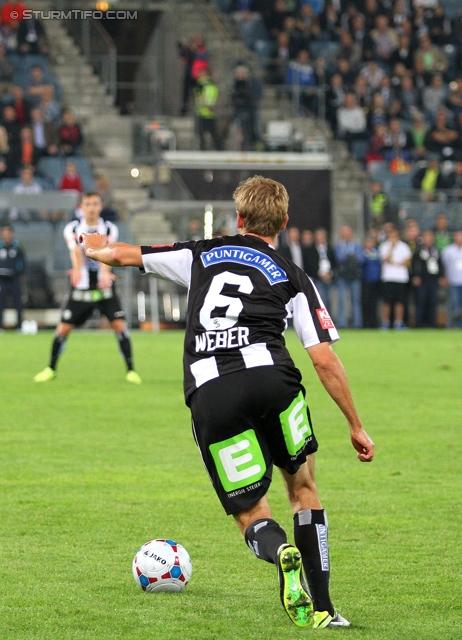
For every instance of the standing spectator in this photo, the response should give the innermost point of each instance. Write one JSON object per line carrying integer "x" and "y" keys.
{"x": 306, "y": 238}
{"x": 244, "y": 98}
{"x": 12, "y": 264}
{"x": 452, "y": 261}
{"x": 70, "y": 180}
{"x": 206, "y": 97}
{"x": 200, "y": 62}
{"x": 426, "y": 274}
{"x": 293, "y": 250}
{"x": 434, "y": 96}
{"x": 396, "y": 257}
{"x": 12, "y": 126}
{"x": 103, "y": 189}
{"x": 335, "y": 98}
{"x": 187, "y": 50}
{"x": 70, "y": 135}
{"x": 443, "y": 235}
{"x": 379, "y": 204}
{"x": 302, "y": 80}
{"x": 320, "y": 265}
{"x": 32, "y": 38}
{"x": 370, "y": 289}
{"x": 282, "y": 54}
{"x": 45, "y": 134}
{"x": 349, "y": 257}
{"x": 49, "y": 107}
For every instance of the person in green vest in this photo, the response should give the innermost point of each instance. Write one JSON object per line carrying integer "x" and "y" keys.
{"x": 205, "y": 100}
{"x": 429, "y": 179}
{"x": 379, "y": 204}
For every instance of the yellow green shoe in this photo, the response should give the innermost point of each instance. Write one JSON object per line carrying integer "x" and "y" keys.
{"x": 46, "y": 375}
{"x": 294, "y": 598}
{"x": 323, "y": 620}
{"x": 133, "y": 377}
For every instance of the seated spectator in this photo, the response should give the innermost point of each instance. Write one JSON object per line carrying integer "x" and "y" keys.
{"x": 351, "y": 121}
{"x": 387, "y": 92}
{"x": 409, "y": 96}
{"x": 376, "y": 151}
{"x": 32, "y": 38}
{"x": 7, "y": 168}
{"x": 12, "y": 126}
{"x": 49, "y": 107}
{"x": 301, "y": 78}
{"x": 19, "y": 105}
{"x": 8, "y": 38}
{"x": 349, "y": 49}
{"x": 282, "y": 54}
{"x": 416, "y": 136}
{"x": 28, "y": 186}
{"x": 29, "y": 153}
{"x": 371, "y": 11}
{"x": 432, "y": 58}
{"x": 37, "y": 85}
{"x": 395, "y": 141}
{"x": 70, "y": 180}
{"x": 378, "y": 113}
{"x": 428, "y": 179}
{"x": 70, "y": 135}
{"x": 441, "y": 139}
{"x": 373, "y": 74}
{"x": 454, "y": 98}
{"x": 12, "y": 13}
{"x": 439, "y": 27}
{"x": 45, "y": 134}
{"x": 385, "y": 39}
{"x": 344, "y": 69}
{"x": 404, "y": 54}
{"x": 434, "y": 96}
{"x": 362, "y": 92}
{"x": 454, "y": 180}
{"x": 6, "y": 72}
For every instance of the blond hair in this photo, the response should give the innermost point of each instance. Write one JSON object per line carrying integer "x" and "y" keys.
{"x": 262, "y": 204}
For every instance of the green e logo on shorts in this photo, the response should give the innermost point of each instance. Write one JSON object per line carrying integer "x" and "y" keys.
{"x": 96, "y": 295}
{"x": 295, "y": 425}
{"x": 239, "y": 460}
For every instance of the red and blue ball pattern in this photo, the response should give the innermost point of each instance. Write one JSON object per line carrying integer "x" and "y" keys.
{"x": 162, "y": 565}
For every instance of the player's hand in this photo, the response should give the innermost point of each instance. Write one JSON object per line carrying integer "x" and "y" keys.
{"x": 105, "y": 280}
{"x": 363, "y": 445}
{"x": 75, "y": 276}
{"x": 92, "y": 241}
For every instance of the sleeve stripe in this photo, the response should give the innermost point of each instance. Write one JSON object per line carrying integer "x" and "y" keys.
{"x": 168, "y": 264}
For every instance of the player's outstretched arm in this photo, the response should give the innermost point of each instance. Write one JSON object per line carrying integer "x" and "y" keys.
{"x": 333, "y": 377}
{"x": 116, "y": 254}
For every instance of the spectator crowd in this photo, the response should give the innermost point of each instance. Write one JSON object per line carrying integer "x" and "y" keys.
{"x": 388, "y": 281}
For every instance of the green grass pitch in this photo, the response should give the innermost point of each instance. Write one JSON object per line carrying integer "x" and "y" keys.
{"x": 92, "y": 467}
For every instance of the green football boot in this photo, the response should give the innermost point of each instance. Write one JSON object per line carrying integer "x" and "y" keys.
{"x": 46, "y": 375}
{"x": 294, "y": 598}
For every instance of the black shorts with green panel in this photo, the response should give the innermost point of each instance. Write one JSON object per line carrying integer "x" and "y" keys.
{"x": 81, "y": 303}
{"x": 245, "y": 422}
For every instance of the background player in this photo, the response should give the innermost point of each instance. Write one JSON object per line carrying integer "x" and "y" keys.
{"x": 92, "y": 287}
{"x": 243, "y": 389}
{"x": 12, "y": 265}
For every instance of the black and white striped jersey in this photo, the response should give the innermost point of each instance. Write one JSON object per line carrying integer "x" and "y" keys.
{"x": 241, "y": 293}
{"x": 90, "y": 268}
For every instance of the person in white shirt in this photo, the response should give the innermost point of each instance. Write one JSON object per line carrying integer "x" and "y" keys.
{"x": 452, "y": 261}
{"x": 351, "y": 121}
{"x": 395, "y": 256}
{"x": 30, "y": 187}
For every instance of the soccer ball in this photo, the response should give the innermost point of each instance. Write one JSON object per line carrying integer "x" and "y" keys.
{"x": 162, "y": 565}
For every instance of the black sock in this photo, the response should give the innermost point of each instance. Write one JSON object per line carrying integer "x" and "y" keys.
{"x": 56, "y": 350}
{"x": 125, "y": 348}
{"x": 265, "y": 537}
{"x": 310, "y": 533}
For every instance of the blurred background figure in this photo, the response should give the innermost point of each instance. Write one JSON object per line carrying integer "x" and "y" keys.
{"x": 205, "y": 99}
{"x": 12, "y": 265}
{"x": 426, "y": 276}
{"x": 452, "y": 261}
{"x": 245, "y": 96}
{"x": 396, "y": 257}
{"x": 370, "y": 291}
{"x": 349, "y": 257}
{"x": 320, "y": 265}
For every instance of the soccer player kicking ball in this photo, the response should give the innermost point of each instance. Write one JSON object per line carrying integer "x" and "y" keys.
{"x": 92, "y": 287}
{"x": 244, "y": 391}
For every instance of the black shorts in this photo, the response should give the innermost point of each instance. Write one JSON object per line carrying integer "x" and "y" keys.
{"x": 394, "y": 292}
{"x": 80, "y": 305}
{"x": 243, "y": 423}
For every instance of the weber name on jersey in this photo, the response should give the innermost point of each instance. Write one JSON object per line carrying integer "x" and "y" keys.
{"x": 241, "y": 293}
{"x": 90, "y": 268}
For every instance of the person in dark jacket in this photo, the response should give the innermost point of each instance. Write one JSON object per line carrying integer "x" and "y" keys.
{"x": 426, "y": 274}
{"x": 320, "y": 263}
{"x": 12, "y": 264}
{"x": 370, "y": 291}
